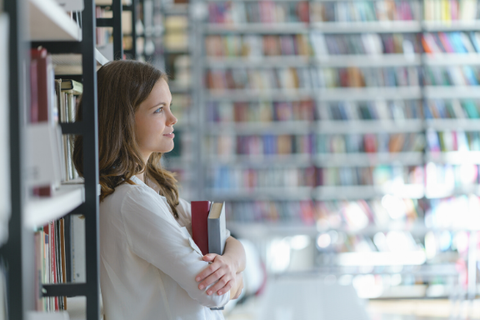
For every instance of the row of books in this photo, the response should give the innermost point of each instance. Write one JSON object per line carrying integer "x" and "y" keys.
{"x": 238, "y": 179}
{"x": 319, "y": 44}
{"x": 451, "y": 42}
{"x": 452, "y": 76}
{"x": 257, "y": 45}
{"x": 369, "y": 143}
{"x": 354, "y": 77}
{"x": 365, "y": 11}
{"x": 365, "y": 44}
{"x": 50, "y": 264}
{"x": 358, "y": 215}
{"x": 264, "y": 111}
{"x": 306, "y": 110}
{"x": 452, "y": 109}
{"x": 371, "y": 110}
{"x": 230, "y": 145}
{"x": 305, "y": 78}
{"x": 445, "y": 141}
{"x": 447, "y": 177}
{"x": 239, "y": 12}
{"x": 258, "y": 79}
{"x": 55, "y": 262}
{"x": 268, "y": 144}
{"x": 451, "y": 10}
{"x": 383, "y": 175}
{"x": 340, "y": 215}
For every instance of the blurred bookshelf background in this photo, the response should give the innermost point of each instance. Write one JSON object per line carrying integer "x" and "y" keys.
{"x": 343, "y": 135}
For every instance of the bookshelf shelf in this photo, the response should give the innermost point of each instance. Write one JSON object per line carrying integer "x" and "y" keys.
{"x": 263, "y": 61}
{"x": 255, "y": 95}
{"x": 368, "y": 159}
{"x": 299, "y": 193}
{"x": 382, "y": 60}
{"x": 360, "y": 27}
{"x": 49, "y": 22}
{"x": 40, "y": 211}
{"x": 369, "y": 126}
{"x": 438, "y": 26}
{"x": 296, "y": 160}
{"x": 452, "y": 59}
{"x": 362, "y": 94}
{"x": 451, "y": 92}
{"x": 455, "y": 157}
{"x": 444, "y": 191}
{"x": 258, "y": 28}
{"x": 453, "y": 124}
{"x": 367, "y": 192}
{"x": 274, "y": 127}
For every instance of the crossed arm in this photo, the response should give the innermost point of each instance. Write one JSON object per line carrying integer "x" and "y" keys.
{"x": 226, "y": 269}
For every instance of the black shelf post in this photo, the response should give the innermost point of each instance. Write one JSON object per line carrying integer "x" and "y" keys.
{"x": 90, "y": 161}
{"x": 18, "y": 251}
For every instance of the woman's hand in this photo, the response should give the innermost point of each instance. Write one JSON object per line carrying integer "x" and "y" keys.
{"x": 221, "y": 268}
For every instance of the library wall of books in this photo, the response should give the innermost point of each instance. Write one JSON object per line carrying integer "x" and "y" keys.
{"x": 343, "y": 136}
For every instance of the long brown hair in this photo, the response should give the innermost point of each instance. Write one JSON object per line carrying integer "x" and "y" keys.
{"x": 122, "y": 86}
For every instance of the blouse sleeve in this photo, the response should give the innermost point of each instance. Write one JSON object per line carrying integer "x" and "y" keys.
{"x": 155, "y": 236}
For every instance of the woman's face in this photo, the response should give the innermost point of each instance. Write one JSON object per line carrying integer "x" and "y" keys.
{"x": 154, "y": 121}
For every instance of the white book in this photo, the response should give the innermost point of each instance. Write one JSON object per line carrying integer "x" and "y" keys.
{"x": 217, "y": 228}
{"x": 77, "y": 235}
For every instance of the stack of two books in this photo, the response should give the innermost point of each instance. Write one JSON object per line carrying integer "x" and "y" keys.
{"x": 209, "y": 230}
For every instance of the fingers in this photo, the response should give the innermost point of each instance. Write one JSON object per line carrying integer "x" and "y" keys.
{"x": 220, "y": 287}
{"x": 209, "y": 257}
{"x": 208, "y": 270}
{"x": 214, "y": 276}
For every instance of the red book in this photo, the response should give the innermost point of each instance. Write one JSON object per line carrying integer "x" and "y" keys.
{"x": 200, "y": 210}
{"x": 42, "y": 97}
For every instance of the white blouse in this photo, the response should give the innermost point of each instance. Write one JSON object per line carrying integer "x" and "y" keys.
{"x": 148, "y": 259}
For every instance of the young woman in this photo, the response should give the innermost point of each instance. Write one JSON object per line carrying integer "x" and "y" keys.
{"x": 150, "y": 268}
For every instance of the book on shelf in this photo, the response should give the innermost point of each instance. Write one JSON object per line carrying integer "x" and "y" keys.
{"x": 67, "y": 93}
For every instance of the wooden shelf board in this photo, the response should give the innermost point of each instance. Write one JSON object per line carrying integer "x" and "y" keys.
{"x": 49, "y": 22}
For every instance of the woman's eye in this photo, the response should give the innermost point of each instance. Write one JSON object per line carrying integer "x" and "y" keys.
{"x": 159, "y": 110}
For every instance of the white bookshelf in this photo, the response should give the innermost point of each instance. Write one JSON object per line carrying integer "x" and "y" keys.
{"x": 49, "y": 22}
{"x": 453, "y": 124}
{"x": 261, "y": 61}
{"x": 455, "y": 157}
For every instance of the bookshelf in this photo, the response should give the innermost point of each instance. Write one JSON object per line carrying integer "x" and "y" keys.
{"x": 375, "y": 79}
{"x": 52, "y": 28}
{"x": 177, "y": 46}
